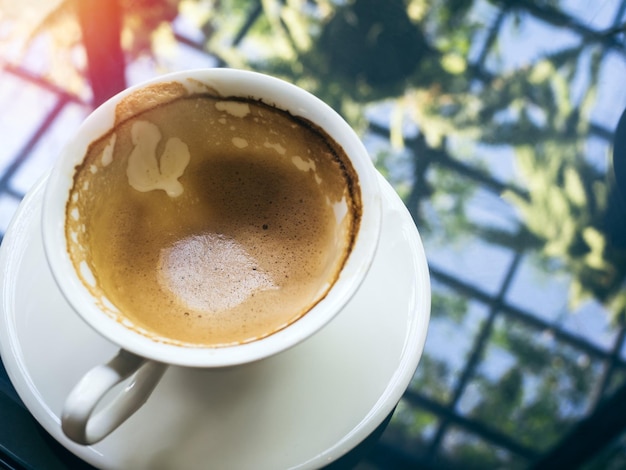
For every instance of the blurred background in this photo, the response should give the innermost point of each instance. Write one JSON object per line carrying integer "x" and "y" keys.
{"x": 494, "y": 120}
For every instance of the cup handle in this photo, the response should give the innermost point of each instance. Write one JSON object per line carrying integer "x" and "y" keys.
{"x": 77, "y": 421}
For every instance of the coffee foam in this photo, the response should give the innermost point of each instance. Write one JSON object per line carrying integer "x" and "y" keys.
{"x": 238, "y": 232}
{"x": 210, "y": 272}
{"x": 146, "y": 170}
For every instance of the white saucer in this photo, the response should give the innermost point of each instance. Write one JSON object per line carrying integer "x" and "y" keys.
{"x": 303, "y": 408}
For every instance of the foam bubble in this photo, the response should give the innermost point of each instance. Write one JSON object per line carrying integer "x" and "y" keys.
{"x": 108, "y": 304}
{"x": 107, "y": 153}
{"x": 234, "y": 108}
{"x": 279, "y": 148}
{"x": 86, "y": 274}
{"x": 239, "y": 142}
{"x": 302, "y": 164}
{"x": 145, "y": 172}
{"x": 341, "y": 210}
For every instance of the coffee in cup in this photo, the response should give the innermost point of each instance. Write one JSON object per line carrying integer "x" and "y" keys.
{"x": 209, "y": 220}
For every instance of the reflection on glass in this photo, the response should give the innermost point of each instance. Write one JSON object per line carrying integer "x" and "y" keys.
{"x": 494, "y": 121}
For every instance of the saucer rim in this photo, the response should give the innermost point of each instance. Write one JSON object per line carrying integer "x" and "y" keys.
{"x": 415, "y": 336}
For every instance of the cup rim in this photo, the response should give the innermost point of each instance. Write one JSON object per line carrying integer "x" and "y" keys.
{"x": 229, "y": 83}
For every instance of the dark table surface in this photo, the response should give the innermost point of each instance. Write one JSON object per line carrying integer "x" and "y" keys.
{"x": 495, "y": 121}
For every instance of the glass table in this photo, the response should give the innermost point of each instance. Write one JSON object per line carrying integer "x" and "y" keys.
{"x": 494, "y": 121}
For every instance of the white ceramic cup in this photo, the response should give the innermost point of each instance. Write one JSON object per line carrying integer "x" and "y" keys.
{"x": 141, "y": 357}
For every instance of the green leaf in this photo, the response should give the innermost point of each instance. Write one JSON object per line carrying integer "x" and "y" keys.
{"x": 574, "y": 187}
